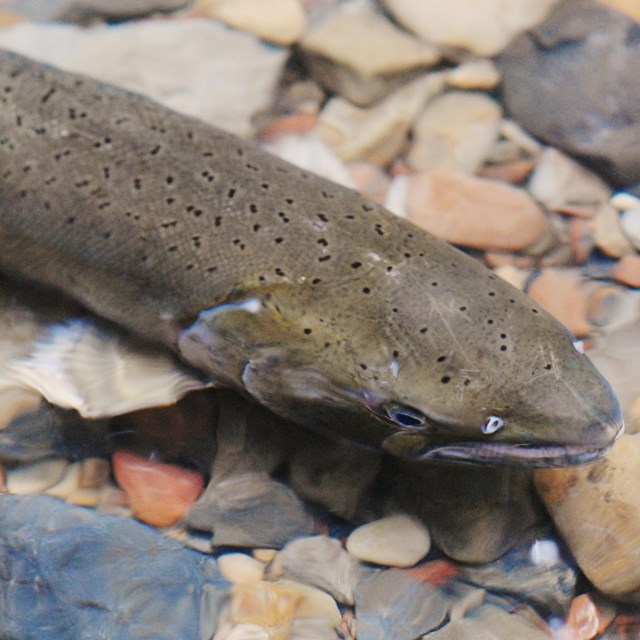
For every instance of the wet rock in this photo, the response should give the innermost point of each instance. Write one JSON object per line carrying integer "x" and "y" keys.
{"x": 363, "y": 57}
{"x": 84, "y": 11}
{"x": 565, "y": 62}
{"x": 483, "y": 26}
{"x": 596, "y": 508}
{"x": 474, "y": 212}
{"x": 530, "y": 575}
{"x": 239, "y": 568}
{"x": 627, "y": 270}
{"x": 455, "y": 131}
{"x": 473, "y": 514}
{"x": 337, "y": 476}
{"x": 279, "y": 21}
{"x": 489, "y": 622}
{"x": 159, "y": 494}
{"x": 608, "y": 234}
{"x": 583, "y": 620}
{"x": 321, "y": 562}
{"x": 77, "y": 573}
{"x": 479, "y": 73}
{"x": 514, "y": 172}
{"x": 94, "y": 472}
{"x": 216, "y": 59}
{"x": 616, "y": 353}
{"x": 392, "y": 605}
{"x": 630, "y": 225}
{"x": 69, "y": 482}
{"x": 630, "y": 7}
{"x": 559, "y": 182}
{"x": 376, "y": 134}
{"x": 51, "y": 432}
{"x": 36, "y": 477}
{"x": 250, "y": 510}
{"x": 395, "y": 541}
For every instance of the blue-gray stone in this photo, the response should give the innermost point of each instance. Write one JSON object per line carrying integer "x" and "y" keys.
{"x": 70, "y": 573}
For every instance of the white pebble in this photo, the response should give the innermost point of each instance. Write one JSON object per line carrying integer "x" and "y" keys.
{"x": 239, "y": 568}
{"x": 623, "y": 201}
{"x": 394, "y": 541}
{"x": 630, "y": 223}
{"x": 36, "y": 477}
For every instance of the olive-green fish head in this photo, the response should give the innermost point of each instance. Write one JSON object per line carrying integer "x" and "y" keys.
{"x": 457, "y": 365}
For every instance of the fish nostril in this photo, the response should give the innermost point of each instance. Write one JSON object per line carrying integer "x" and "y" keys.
{"x": 492, "y": 424}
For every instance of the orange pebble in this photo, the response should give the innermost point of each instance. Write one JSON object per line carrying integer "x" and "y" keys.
{"x": 159, "y": 494}
{"x": 435, "y": 573}
{"x": 583, "y": 620}
{"x": 627, "y": 270}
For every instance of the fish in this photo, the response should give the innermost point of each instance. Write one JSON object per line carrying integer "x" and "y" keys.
{"x": 306, "y": 297}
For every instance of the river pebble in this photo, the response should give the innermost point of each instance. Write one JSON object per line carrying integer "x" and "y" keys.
{"x": 239, "y": 568}
{"x": 279, "y": 21}
{"x": 473, "y": 212}
{"x": 360, "y": 55}
{"x": 250, "y": 510}
{"x": 321, "y": 562}
{"x": 76, "y": 571}
{"x": 395, "y": 541}
{"x": 468, "y": 518}
{"x": 596, "y": 507}
{"x": 219, "y": 62}
{"x": 559, "y": 181}
{"x": 36, "y": 477}
{"x": 455, "y": 131}
{"x": 159, "y": 494}
{"x": 392, "y": 605}
{"x": 489, "y": 622}
{"x": 524, "y": 572}
{"x": 608, "y": 233}
{"x": 630, "y": 224}
{"x": 565, "y": 62}
{"x": 378, "y": 133}
{"x": 478, "y": 73}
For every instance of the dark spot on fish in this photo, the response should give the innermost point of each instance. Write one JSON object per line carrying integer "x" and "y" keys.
{"x": 256, "y": 227}
{"x": 323, "y": 217}
{"x": 367, "y": 208}
{"x": 462, "y": 308}
{"x": 323, "y": 242}
{"x": 356, "y": 265}
{"x": 548, "y": 366}
{"x": 307, "y": 331}
{"x": 424, "y": 330}
{"x": 169, "y": 180}
{"x": 366, "y": 290}
{"x": 445, "y": 379}
{"x": 492, "y": 294}
{"x": 278, "y": 240}
{"x": 231, "y": 193}
{"x": 324, "y": 258}
{"x": 489, "y": 321}
{"x": 441, "y": 358}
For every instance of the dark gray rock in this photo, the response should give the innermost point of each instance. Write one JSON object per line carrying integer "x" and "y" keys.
{"x": 52, "y": 432}
{"x": 573, "y": 81}
{"x": 250, "y": 510}
{"x": 70, "y": 573}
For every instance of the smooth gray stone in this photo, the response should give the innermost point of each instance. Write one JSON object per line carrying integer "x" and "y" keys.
{"x": 391, "y": 605}
{"x": 551, "y": 587}
{"x": 250, "y": 510}
{"x": 70, "y": 573}
{"x": 52, "y": 432}
{"x": 573, "y": 81}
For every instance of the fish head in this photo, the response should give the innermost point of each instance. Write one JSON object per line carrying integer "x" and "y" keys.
{"x": 469, "y": 369}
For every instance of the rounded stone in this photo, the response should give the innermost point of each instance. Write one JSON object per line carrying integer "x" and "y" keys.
{"x": 394, "y": 541}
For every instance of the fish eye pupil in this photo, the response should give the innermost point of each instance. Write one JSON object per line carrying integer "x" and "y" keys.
{"x": 406, "y": 416}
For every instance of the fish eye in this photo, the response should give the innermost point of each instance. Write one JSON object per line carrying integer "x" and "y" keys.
{"x": 492, "y": 424}
{"x": 406, "y": 417}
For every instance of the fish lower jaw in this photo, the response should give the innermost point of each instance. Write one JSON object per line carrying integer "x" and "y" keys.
{"x": 524, "y": 455}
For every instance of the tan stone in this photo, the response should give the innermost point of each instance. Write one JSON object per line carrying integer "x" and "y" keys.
{"x": 456, "y": 131}
{"x": 377, "y": 134}
{"x": 483, "y": 26}
{"x": 362, "y": 56}
{"x": 480, "y": 73}
{"x": 627, "y": 270}
{"x": 630, "y": 7}
{"x": 279, "y": 21}
{"x": 608, "y": 232}
{"x": 596, "y": 508}
{"x": 561, "y": 293}
{"x": 474, "y": 212}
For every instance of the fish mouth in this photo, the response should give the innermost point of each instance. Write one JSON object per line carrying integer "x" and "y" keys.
{"x": 526, "y": 455}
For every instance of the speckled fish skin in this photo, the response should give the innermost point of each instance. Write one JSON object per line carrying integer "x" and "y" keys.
{"x": 324, "y": 307}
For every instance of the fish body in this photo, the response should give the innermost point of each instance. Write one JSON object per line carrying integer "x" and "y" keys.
{"x": 324, "y": 307}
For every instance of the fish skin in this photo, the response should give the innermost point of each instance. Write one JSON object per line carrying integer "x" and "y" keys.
{"x": 323, "y": 306}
